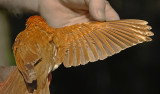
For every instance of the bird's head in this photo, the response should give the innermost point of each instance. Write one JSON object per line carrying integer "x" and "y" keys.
{"x": 34, "y": 21}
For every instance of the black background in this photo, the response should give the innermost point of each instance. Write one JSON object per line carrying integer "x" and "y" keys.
{"x": 133, "y": 71}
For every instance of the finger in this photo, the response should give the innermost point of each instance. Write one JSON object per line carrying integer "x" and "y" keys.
{"x": 75, "y": 4}
{"x": 5, "y": 72}
{"x": 97, "y": 9}
{"x": 110, "y": 13}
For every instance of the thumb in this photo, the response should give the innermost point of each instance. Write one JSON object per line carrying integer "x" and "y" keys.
{"x": 110, "y": 13}
{"x": 97, "y": 9}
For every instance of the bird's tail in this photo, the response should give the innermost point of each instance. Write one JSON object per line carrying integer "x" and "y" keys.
{"x": 15, "y": 84}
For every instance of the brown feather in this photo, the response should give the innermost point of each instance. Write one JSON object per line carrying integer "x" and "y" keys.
{"x": 91, "y": 48}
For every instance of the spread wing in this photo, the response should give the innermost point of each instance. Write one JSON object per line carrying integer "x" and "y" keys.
{"x": 92, "y": 41}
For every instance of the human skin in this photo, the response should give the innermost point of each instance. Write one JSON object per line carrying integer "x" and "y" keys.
{"x": 68, "y": 13}
{"x": 5, "y": 71}
{"x": 59, "y": 13}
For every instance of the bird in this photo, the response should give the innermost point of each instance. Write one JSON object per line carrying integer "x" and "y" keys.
{"x": 40, "y": 49}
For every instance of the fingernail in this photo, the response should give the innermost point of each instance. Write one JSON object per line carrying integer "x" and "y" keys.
{"x": 100, "y": 16}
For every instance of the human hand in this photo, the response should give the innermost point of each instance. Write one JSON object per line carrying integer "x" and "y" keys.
{"x": 59, "y": 13}
{"x": 5, "y": 72}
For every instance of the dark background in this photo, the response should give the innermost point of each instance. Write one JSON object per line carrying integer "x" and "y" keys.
{"x": 133, "y": 71}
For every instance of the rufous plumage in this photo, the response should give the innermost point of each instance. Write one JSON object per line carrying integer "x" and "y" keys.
{"x": 40, "y": 49}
